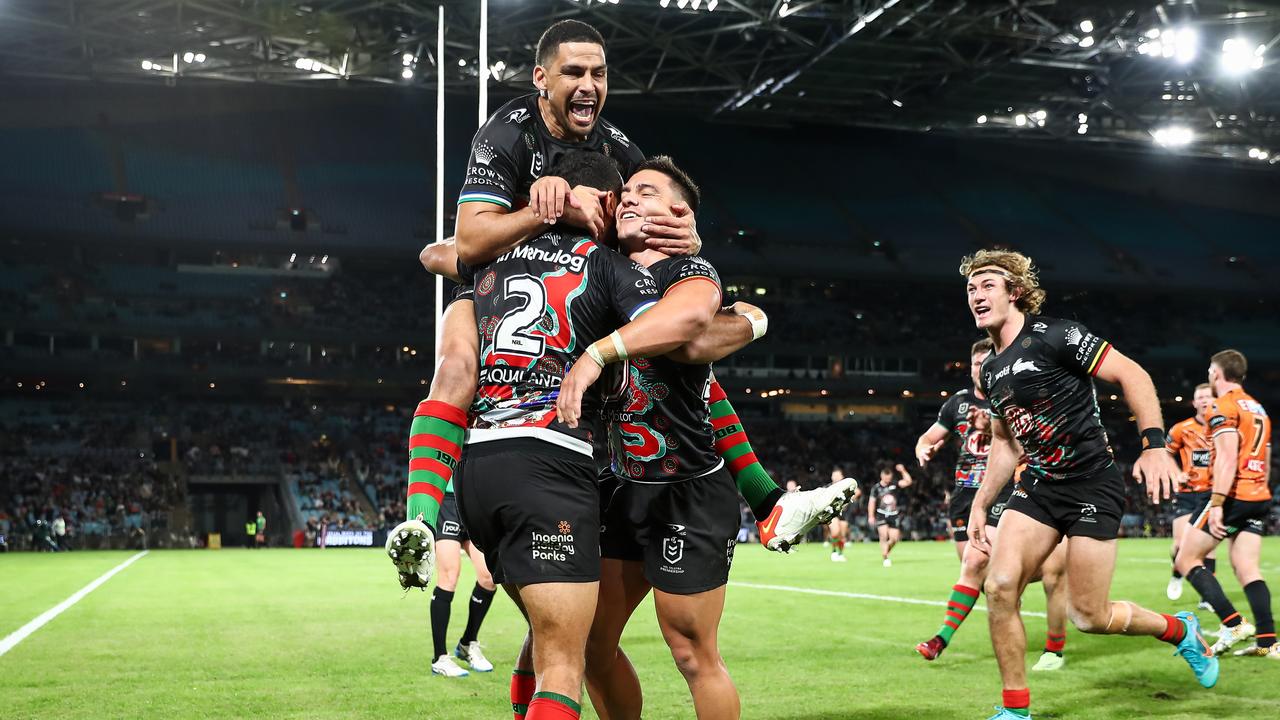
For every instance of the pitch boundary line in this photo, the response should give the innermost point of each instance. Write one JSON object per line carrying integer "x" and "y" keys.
{"x": 860, "y": 596}
{"x": 17, "y": 636}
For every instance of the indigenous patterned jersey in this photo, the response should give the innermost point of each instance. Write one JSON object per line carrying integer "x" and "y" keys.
{"x": 974, "y": 445}
{"x": 1189, "y": 440}
{"x": 889, "y": 500}
{"x": 538, "y": 307}
{"x": 1041, "y": 387}
{"x": 660, "y": 430}
{"x": 514, "y": 148}
{"x": 1237, "y": 412}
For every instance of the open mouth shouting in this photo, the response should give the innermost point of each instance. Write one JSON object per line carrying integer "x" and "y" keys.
{"x": 582, "y": 112}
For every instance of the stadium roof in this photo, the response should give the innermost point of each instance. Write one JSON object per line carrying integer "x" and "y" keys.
{"x": 1197, "y": 76}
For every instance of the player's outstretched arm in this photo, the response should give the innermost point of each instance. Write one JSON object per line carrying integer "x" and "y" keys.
{"x": 485, "y": 230}
{"x": 1155, "y": 465}
{"x": 441, "y": 258}
{"x": 930, "y": 442}
{"x": 680, "y": 316}
{"x": 731, "y": 329}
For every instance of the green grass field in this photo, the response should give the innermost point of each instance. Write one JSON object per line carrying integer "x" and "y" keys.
{"x": 328, "y": 634}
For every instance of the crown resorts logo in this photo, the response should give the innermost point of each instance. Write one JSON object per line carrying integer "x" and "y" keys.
{"x": 485, "y": 153}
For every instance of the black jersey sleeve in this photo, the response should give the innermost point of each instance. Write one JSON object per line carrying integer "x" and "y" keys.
{"x": 631, "y": 289}
{"x": 692, "y": 268}
{"x": 493, "y": 169}
{"x": 947, "y": 413}
{"x": 1075, "y": 347}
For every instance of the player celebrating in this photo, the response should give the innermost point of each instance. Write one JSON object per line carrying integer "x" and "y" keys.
{"x": 1188, "y": 441}
{"x": 453, "y": 539}
{"x": 1040, "y": 383}
{"x": 1237, "y": 508}
{"x": 884, "y": 507}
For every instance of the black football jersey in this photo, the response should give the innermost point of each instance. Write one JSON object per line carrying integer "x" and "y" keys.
{"x": 514, "y": 148}
{"x": 1041, "y": 386}
{"x": 889, "y": 500}
{"x": 971, "y": 463}
{"x": 537, "y": 309}
{"x": 660, "y": 429}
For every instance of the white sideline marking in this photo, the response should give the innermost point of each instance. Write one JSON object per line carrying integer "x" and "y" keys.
{"x": 862, "y": 596}
{"x": 21, "y": 633}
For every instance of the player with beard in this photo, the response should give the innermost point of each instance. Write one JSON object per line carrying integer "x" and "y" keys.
{"x": 1237, "y": 508}
{"x": 1188, "y": 441}
{"x": 672, "y": 520}
{"x": 1039, "y": 380}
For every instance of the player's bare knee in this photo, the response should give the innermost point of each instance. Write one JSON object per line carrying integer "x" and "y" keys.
{"x": 975, "y": 563}
{"x": 1090, "y": 618}
{"x": 1001, "y": 589}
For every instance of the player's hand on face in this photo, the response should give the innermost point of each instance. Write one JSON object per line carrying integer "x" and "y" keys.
{"x": 1159, "y": 472}
{"x": 586, "y": 211}
{"x": 548, "y": 197}
{"x": 580, "y": 377}
{"x": 1216, "y": 528}
{"x": 673, "y": 235}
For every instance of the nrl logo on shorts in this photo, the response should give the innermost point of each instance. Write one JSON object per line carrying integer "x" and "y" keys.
{"x": 673, "y": 550}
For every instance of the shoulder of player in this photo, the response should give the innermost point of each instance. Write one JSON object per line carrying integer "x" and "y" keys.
{"x": 506, "y": 126}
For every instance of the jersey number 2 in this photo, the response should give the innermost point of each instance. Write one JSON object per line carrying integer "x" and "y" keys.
{"x": 512, "y": 335}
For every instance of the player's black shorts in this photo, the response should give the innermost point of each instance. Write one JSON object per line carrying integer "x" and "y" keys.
{"x": 451, "y": 527}
{"x": 889, "y": 521}
{"x": 1189, "y": 503}
{"x": 958, "y": 511}
{"x": 1002, "y": 501}
{"x": 1238, "y": 515}
{"x": 1086, "y": 507}
{"x": 683, "y": 532}
{"x": 533, "y": 509}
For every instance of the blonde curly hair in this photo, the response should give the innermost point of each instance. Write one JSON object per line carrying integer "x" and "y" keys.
{"x": 1020, "y": 274}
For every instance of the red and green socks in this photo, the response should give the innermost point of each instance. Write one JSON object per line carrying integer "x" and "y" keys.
{"x": 1018, "y": 702}
{"x": 754, "y": 483}
{"x": 435, "y": 445}
{"x": 1174, "y": 630}
{"x": 962, "y": 600}
{"x": 553, "y": 706}
{"x": 1055, "y": 642}
{"x": 523, "y": 685}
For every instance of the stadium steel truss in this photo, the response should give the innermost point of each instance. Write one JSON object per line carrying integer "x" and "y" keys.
{"x": 1195, "y": 76}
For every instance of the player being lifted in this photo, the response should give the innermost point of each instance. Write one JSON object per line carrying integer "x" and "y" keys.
{"x": 967, "y": 416}
{"x": 1039, "y": 380}
{"x": 1189, "y": 442}
{"x": 1238, "y": 508}
{"x": 505, "y": 200}
{"x": 884, "y": 507}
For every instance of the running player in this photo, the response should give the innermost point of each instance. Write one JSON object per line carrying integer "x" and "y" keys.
{"x": 1188, "y": 441}
{"x": 450, "y": 544}
{"x": 527, "y": 488}
{"x": 673, "y": 516}
{"x": 1237, "y": 509}
{"x": 884, "y": 506}
{"x": 967, "y": 414}
{"x": 955, "y": 419}
{"x": 839, "y": 525}
{"x": 1040, "y": 383}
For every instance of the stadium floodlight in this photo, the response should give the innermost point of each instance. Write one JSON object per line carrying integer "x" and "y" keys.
{"x": 1173, "y": 136}
{"x": 200, "y": 57}
{"x": 1239, "y": 57}
{"x": 711, "y": 6}
{"x": 1086, "y": 41}
{"x": 982, "y": 119}
{"x": 407, "y": 59}
{"x": 1152, "y": 34}
{"x": 1186, "y": 43}
{"x": 1082, "y": 118}
{"x": 1040, "y": 116}
{"x": 302, "y": 63}
{"x": 188, "y": 57}
{"x": 1086, "y": 26}
{"x": 682, "y": 4}
{"x": 1082, "y": 128}
{"x": 663, "y": 3}
{"x": 1019, "y": 119}
{"x": 462, "y": 62}
{"x": 147, "y": 65}
{"x": 696, "y": 4}
{"x": 407, "y": 73}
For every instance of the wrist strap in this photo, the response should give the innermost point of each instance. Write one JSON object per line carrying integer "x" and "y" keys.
{"x": 607, "y": 350}
{"x": 1217, "y": 499}
{"x": 1152, "y": 438}
{"x": 759, "y": 323}
{"x": 595, "y": 355}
